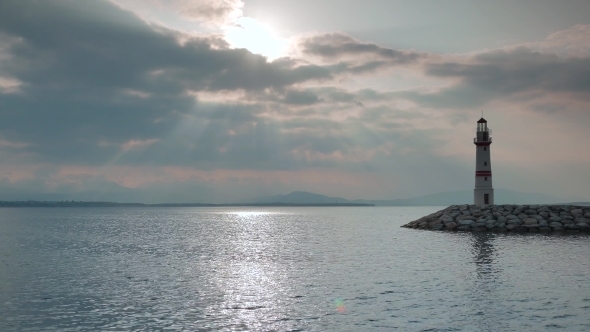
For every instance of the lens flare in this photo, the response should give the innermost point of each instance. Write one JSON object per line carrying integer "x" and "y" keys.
{"x": 340, "y": 305}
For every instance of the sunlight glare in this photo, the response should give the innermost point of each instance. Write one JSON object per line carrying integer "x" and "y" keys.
{"x": 257, "y": 38}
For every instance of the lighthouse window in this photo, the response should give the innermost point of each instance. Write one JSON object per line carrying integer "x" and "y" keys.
{"x": 485, "y": 148}
{"x": 485, "y": 163}
{"x": 485, "y": 178}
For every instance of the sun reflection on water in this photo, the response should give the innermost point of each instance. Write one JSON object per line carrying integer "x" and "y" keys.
{"x": 253, "y": 280}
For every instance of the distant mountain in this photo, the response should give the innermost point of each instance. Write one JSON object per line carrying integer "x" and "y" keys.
{"x": 501, "y": 196}
{"x": 302, "y": 197}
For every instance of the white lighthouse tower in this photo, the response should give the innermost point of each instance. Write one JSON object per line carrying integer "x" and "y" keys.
{"x": 483, "y": 194}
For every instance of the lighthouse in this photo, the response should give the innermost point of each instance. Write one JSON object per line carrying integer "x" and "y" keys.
{"x": 483, "y": 194}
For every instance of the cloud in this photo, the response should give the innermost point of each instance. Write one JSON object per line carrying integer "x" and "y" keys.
{"x": 572, "y": 42}
{"x": 89, "y": 72}
{"x": 211, "y": 13}
{"x": 218, "y": 11}
{"x": 519, "y": 73}
{"x": 340, "y": 45}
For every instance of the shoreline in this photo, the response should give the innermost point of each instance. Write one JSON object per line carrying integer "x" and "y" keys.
{"x": 559, "y": 219}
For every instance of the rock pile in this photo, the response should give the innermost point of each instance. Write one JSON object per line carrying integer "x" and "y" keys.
{"x": 508, "y": 218}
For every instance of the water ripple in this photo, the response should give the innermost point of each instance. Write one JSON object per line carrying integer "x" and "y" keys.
{"x": 280, "y": 269}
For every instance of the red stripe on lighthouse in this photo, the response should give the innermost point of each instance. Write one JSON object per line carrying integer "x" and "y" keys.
{"x": 483, "y": 173}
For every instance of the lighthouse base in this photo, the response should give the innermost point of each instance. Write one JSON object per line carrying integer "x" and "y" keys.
{"x": 483, "y": 196}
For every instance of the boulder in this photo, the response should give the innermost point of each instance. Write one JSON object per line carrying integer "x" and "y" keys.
{"x": 502, "y": 219}
{"x": 583, "y": 226}
{"x": 511, "y": 216}
{"x": 446, "y": 218}
{"x": 451, "y": 226}
{"x": 467, "y": 222}
{"x": 530, "y": 221}
{"x": 544, "y": 214}
{"x": 555, "y": 224}
{"x": 577, "y": 211}
{"x": 437, "y": 227}
{"x": 530, "y": 211}
{"x": 459, "y": 218}
{"x": 464, "y": 228}
{"x": 555, "y": 219}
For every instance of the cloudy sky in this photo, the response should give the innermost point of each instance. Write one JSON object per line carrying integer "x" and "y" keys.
{"x": 222, "y": 100}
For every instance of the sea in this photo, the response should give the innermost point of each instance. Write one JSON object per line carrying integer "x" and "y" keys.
{"x": 281, "y": 269}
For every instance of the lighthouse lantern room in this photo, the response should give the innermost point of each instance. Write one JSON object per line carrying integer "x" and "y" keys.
{"x": 483, "y": 193}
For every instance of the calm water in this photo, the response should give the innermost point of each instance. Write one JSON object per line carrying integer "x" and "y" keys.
{"x": 281, "y": 269}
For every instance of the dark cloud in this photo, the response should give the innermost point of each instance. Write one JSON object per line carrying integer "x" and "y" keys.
{"x": 339, "y": 45}
{"x": 504, "y": 74}
{"x": 95, "y": 77}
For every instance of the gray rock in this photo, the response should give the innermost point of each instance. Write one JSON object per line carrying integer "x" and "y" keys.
{"x": 587, "y": 214}
{"x": 544, "y": 229}
{"x": 451, "y": 226}
{"x": 543, "y": 223}
{"x": 543, "y": 209}
{"x": 531, "y": 226}
{"x": 501, "y": 225}
{"x": 446, "y": 218}
{"x": 466, "y": 213}
{"x": 502, "y": 219}
{"x": 544, "y": 214}
{"x": 459, "y": 218}
{"x": 555, "y": 219}
{"x": 464, "y": 228}
{"x": 584, "y": 220}
{"x": 512, "y": 226}
{"x": 571, "y": 226}
{"x": 530, "y": 211}
{"x": 530, "y": 221}
{"x": 577, "y": 211}
{"x": 437, "y": 227}
{"x": 511, "y": 216}
{"x": 490, "y": 226}
{"x": 553, "y": 214}
{"x": 466, "y": 222}
{"x": 583, "y": 226}
{"x": 523, "y": 216}
{"x": 555, "y": 224}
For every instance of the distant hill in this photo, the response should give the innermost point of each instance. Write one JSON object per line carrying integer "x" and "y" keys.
{"x": 501, "y": 196}
{"x": 303, "y": 197}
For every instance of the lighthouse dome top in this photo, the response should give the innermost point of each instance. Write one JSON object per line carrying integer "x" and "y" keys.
{"x": 482, "y": 120}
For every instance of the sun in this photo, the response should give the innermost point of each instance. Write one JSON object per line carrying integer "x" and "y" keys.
{"x": 257, "y": 38}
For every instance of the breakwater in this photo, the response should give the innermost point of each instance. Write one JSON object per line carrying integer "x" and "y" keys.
{"x": 508, "y": 218}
